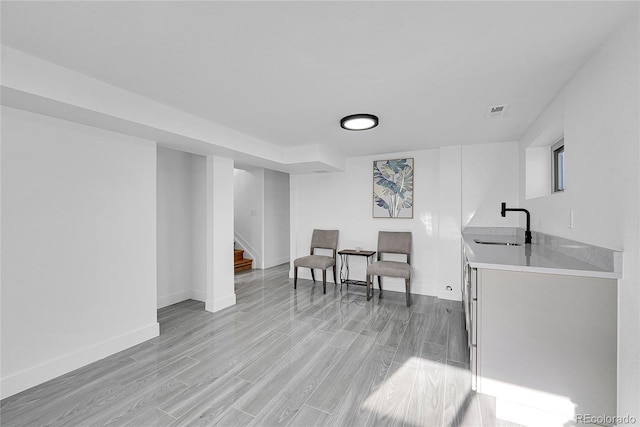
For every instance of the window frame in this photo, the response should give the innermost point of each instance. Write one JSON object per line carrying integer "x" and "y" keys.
{"x": 557, "y": 167}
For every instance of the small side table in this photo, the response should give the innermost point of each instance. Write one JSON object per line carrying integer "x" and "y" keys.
{"x": 344, "y": 267}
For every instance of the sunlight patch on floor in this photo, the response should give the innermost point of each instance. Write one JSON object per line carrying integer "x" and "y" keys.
{"x": 412, "y": 394}
{"x": 558, "y": 410}
{"x": 390, "y": 400}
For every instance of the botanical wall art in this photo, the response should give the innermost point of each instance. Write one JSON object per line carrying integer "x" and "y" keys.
{"x": 393, "y": 188}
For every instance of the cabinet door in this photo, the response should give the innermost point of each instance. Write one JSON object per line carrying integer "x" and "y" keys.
{"x": 466, "y": 301}
{"x": 472, "y": 285}
{"x": 473, "y": 281}
{"x": 473, "y": 365}
{"x": 548, "y": 341}
{"x": 473, "y": 332}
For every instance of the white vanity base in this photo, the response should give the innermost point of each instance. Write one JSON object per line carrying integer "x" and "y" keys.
{"x": 547, "y": 343}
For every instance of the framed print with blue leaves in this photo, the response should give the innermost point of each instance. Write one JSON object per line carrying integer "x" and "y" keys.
{"x": 393, "y": 188}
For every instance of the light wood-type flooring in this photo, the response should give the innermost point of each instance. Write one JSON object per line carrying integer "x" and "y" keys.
{"x": 278, "y": 357}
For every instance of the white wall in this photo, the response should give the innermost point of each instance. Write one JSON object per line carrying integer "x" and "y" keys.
{"x": 454, "y": 186}
{"x": 261, "y": 215}
{"x": 276, "y": 218}
{"x": 599, "y": 112}
{"x": 173, "y": 226}
{"x": 248, "y": 212}
{"x": 199, "y": 227}
{"x": 78, "y": 246}
{"x": 181, "y": 238}
{"x": 538, "y": 172}
{"x": 449, "y": 224}
{"x": 344, "y": 201}
{"x": 490, "y": 177}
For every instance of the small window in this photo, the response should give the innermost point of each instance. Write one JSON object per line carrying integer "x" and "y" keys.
{"x": 557, "y": 159}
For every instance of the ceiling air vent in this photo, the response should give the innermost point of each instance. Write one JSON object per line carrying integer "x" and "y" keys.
{"x": 496, "y": 111}
{"x": 320, "y": 171}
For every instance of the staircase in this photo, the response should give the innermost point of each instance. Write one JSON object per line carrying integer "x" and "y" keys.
{"x": 240, "y": 263}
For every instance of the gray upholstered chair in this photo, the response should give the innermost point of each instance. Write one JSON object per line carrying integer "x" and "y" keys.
{"x": 321, "y": 239}
{"x": 394, "y": 242}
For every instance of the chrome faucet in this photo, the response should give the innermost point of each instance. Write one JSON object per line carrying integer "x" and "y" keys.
{"x": 527, "y": 234}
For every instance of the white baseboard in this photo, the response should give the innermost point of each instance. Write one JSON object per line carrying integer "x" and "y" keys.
{"x": 220, "y": 303}
{"x": 27, "y": 378}
{"x": 279, "y": 261}
{"x": 167, "y": 300}
{"x": 176, "y": 297}
{"x": 388, "y": 283}
{"x": 198, "y": 295}
{"x": 451, "y": 296}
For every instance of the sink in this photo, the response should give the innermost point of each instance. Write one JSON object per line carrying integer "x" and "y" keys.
{"x": 482, "y": 242}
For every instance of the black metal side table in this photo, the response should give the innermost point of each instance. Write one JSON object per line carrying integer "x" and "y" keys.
{"x": 344, "y": 267}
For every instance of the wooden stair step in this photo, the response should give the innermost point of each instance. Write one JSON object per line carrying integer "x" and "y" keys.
{"x": 243, "y": 261}
{"x": 238, "y": 254}
{"x": 242, "y": 265}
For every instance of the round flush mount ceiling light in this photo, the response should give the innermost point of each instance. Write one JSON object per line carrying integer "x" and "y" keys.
{"x": 359, "y": 122}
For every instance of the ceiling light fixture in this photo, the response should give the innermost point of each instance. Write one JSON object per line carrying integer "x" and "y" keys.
{"x": 359, "y": 122}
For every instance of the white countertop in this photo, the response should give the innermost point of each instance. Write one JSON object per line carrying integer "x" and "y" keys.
{"x": 534, "y": 258}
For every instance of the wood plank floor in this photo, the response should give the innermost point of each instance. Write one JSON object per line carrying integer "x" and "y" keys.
{"x": 278, "y": 357}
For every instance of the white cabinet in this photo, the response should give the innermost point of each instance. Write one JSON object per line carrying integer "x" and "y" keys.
{"x": 543, "y": 343}
{"x": 470, "y": 302}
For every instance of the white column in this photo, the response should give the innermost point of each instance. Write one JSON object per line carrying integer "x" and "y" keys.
{"x": 450, "y": 246}
{"x": 220, "y": 275}
{"x": 293, "y": 221}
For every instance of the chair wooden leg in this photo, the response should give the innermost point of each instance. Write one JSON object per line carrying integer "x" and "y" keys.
{"x": 407, "y": 285}
{"x": 379, "y": 286}
{"x": 335, "y": 281}
{"x": 368, "y": 283}
{"x": 295, "y": 277}
{"x": 313, "y": 276}
{"x": 324, "y": 281}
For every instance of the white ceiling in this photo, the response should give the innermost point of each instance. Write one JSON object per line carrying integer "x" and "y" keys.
{"x": 286, "y": 72}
